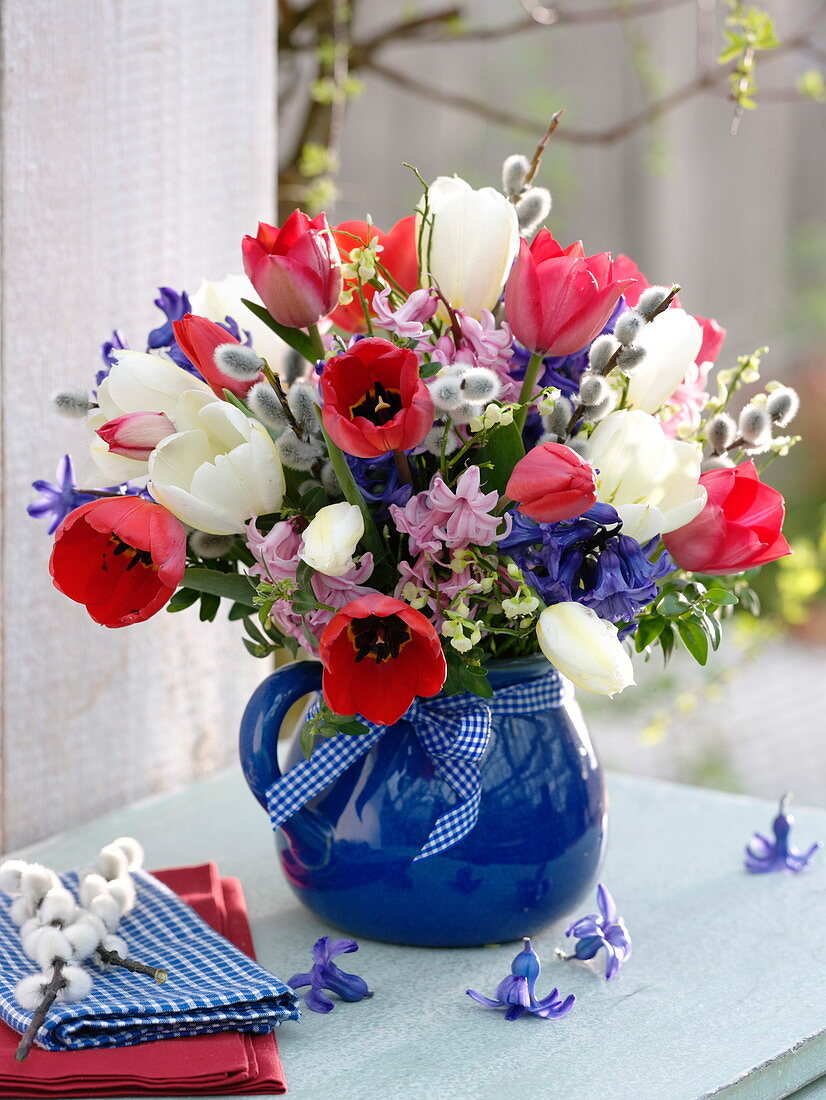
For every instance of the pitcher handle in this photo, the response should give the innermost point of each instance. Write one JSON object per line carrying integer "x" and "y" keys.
{"x": 261, "y": 723}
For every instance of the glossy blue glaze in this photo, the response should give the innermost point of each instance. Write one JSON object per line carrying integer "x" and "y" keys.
{"x": 532, "y": 856}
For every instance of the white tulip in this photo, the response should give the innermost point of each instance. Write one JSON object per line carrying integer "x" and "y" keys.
{"x": 652, "y": 481}
{"x": 585, "y": 648}
{"x": 471, "y": 244}
{"x": 672, "y": 343}
{"x": 137, "y": 382}
{"x": 221, "y": 299}
{"x": 219, "y": 474}
{"x": 331, "y": 538}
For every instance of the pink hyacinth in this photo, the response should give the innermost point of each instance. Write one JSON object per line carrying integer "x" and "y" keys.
{"x": 466, "y": 512}
{"x": 408, "y": 320}
{"x": 440, "y": 517}
{"x": 418, "y": 521}
{"x": 690, "y": 398}
{"x": 276, "y": 553}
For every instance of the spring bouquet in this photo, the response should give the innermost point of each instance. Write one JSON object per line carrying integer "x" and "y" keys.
{"x": 409, "y": 453}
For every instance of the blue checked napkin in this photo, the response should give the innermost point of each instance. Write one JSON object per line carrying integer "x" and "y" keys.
{"x": 212, "y": 986}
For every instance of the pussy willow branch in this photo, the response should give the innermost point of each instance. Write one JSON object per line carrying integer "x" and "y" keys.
{"x": 302, "y": 29}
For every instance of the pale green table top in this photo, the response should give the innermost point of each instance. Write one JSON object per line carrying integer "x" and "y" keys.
{"x": 724, "y": 995}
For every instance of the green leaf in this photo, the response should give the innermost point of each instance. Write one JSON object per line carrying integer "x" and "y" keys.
{"x": 209, "y": 607}
{"x": 503, "y": 450}
{"x": 429, "y": 370}
{"x": 474, "y": 679}
{"x": 720, "y": 598}
{"x": 303, "y": 602}
{"x": 312, "y": 500}
{"x": 299, "y": 341}
{"x": 304, "y": 577}
{"x": 231, "y": 586}
{"x": 694, "y": 638}
{"x": 255, "y": 649}
{"x": 453, "y": 682}
{"x": 183, "y": 598}
{"x": 713, "y": 629}
{"x": 673, "y": 604}
{"x": 307, "y": 738}
{"x": 648, "y": 631}
{"x": 666, "y": 641}
{"x": 351, "y": 726}
{"x": 238, "y": 611}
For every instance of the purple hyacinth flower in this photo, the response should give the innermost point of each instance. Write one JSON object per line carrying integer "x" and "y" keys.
{"x": 58, "y": 498}
{"x": 764, "y": 855}
{"x": 326, "y": 975}
{"x": 516, "y": 992}
{"x": 604, "y": 929}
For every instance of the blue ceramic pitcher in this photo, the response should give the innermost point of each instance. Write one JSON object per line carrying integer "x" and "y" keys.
{"x": 348, "y": 853}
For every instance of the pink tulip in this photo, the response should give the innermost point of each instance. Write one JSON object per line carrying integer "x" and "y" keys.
{"x": 739, "y": 528}
{"x": 558, "y": 299}
{"x": 552, "y": 483}
{"x": 295, "y": 269}
{"x": 136, "y": 435}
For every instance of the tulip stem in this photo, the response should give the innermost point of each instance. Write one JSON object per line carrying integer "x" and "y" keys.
{"x": 352, "y": 493}
{"x": 317, "y": 342}
{"x": 526, "y": 393}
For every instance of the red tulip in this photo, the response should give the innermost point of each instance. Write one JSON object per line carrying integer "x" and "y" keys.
{"x": 739, "y": 527}
{"x": 558, "y": 299}
{"x": 552, "y": 483}
{"x": 398, "y": 256}
{"x": 136, "y": 435}
{"x": 378, "y": 655}
{"x": 295, "y": 269}
{"x": 198, "y": 338}
{"x": 713, "y": 334}
{"x": 374, "y": 400}
{"x": 122, "y": 557}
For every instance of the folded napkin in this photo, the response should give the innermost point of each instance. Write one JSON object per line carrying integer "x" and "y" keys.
{"x": 226, "y": 1063}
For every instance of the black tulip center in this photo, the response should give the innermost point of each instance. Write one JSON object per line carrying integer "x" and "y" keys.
{"x": 380, "y": 637}
{"x": 379, "y": 405}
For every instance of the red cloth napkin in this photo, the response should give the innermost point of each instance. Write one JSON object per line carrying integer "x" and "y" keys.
{"x": 228, "y": 1062}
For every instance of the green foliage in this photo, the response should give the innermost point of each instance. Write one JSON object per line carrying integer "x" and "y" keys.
{"x": 465, "y": 672}
{"x": 498, "y": 455}
{"x": 812, "y": 85}
{"x": 750, "y": 30}
{"x": 687, "y": 611}
{"x": 217, "y": 582}
{"x": 326, "y": 723}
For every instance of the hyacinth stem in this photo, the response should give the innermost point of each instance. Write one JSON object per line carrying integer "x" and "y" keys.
{"x": 112, "y": 958}
{"x": 318, "y": 343}
{"x": 49, "y": 995}
{"x": 526, "y": 393}
{"x": 352, "y": 493}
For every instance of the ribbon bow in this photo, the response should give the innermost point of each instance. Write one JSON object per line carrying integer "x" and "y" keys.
{"x": 453, "y": 731}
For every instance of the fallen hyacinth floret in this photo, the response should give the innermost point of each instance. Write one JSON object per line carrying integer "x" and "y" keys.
{"x": 605, "y": 929}
{"x": 516, "y": 992}
{"x": 764, "y": 856}
{"x": 326, "y": 975}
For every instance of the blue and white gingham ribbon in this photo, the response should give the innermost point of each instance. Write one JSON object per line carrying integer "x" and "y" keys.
{"x": 453, "y": 731}
{"x": 212, "y": 986}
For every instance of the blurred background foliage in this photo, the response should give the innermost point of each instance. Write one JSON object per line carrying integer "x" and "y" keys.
{"x": 692, "y": 139}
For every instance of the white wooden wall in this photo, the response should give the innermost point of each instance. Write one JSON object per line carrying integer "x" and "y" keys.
{"x": 138, "y": 144}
